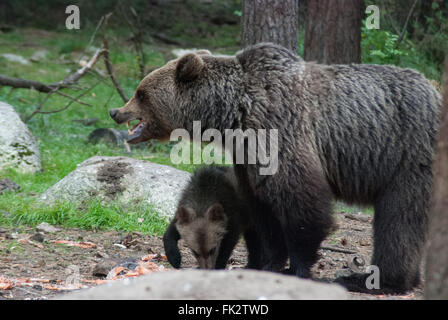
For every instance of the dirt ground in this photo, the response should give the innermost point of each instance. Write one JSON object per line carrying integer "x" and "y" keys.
{"x": 38, "y": 265}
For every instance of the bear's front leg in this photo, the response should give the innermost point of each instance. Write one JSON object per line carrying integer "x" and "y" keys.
{"x": 303, "y": 205}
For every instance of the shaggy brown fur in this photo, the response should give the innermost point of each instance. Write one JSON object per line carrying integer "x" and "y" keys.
{"x": 360, "y": 133}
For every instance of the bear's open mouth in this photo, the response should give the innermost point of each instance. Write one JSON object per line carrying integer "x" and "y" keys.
{"x": 136, "y": 129}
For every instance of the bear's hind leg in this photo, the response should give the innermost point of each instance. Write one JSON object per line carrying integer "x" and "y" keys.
{"x": 400, "y": 227}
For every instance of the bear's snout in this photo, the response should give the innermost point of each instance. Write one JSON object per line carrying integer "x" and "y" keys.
{"x": 113, "y": 113}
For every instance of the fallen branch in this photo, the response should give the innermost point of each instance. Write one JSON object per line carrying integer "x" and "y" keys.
{"x": 27, "y": 84}
{"x": 42, "y": 87}
{"x": 337, "y": 249}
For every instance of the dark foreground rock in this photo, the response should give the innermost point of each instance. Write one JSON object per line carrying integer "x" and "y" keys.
{"x": 202, "y": 284}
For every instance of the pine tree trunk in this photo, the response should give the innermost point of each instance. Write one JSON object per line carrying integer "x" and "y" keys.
{"x": 333, "y": 31}
{"x": 437, "y": 257}
{"x": 271, "y": 21}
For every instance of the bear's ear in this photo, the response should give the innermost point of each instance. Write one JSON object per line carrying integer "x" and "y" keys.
{"x": 215, "y": 213}
{"x": 183, "y": 215}
{"x": 189, "y": 67}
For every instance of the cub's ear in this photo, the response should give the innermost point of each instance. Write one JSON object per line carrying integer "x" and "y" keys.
{"x": 189, "y": 67}
{"x": 215, "y": 213}
{"x": 183, "y": 215}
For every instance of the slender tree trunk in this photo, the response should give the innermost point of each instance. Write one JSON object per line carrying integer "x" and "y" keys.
{"x": 271, "y": 21}
{"x": 333, "y": 31}
{"x": 437, "y": 257}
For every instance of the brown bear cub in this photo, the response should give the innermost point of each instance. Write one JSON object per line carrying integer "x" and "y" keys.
{"x": 210, "y": 218}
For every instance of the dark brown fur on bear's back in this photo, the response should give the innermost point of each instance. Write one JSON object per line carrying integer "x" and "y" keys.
{"x": 360, "y": 133}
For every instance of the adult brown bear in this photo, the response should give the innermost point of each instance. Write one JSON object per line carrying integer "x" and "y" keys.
{"x": 360, "y": 133}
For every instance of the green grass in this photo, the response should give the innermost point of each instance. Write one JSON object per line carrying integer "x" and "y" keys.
{"x": 91, "y": 215}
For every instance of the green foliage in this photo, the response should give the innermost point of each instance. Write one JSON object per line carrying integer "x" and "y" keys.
{"x": 379, "y": 46}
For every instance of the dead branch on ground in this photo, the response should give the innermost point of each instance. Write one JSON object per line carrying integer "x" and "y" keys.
{"x": 42, "y": 87}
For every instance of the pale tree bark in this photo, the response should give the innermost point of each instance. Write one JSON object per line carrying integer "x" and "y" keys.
{"x": 271, "y": 21}
{"x": 333, "y": 31}
{"x": 437, "y": 257}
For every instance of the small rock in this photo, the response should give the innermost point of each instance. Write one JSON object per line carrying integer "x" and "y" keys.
{"x": 13, "y": 235}
{"x": 48, "y": 228}
{"x": 357, "y": 264}
{"x": 37, "y": 287}
{"x": 38, "y": 236}
{"x": 119, "y": 245}
{"x": 364, "y": 242}
{"x": 102, "y": 268}
{"x": 8, "y": 184}
{"x": 39, "y": 55}
{"x": 102, "y": 255}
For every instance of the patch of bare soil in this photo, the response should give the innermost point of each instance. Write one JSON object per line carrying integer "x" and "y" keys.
{"x": 36, "y": 265}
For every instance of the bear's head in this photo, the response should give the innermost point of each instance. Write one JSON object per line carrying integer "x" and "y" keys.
{"x": 175, "y": 95}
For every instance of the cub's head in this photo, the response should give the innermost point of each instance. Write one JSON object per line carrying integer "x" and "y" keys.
{"x": 202, "y": 234}
{"x": 155, "y": 109}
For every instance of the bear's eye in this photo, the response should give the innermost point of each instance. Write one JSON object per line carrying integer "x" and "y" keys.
{"x": 140, "y": 95}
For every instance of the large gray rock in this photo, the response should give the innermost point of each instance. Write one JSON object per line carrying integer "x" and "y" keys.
{"x": 18, "y": 147}
{"x": 202, "y": 284}
{"x": 123, "y": 179}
